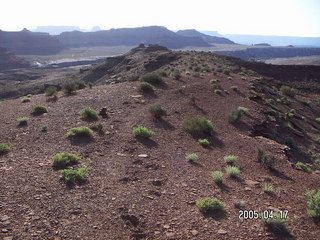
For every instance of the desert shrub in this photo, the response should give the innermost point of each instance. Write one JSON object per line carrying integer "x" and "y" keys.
{"x": 233, "y": 171}
{"x": 204, "y": 142}
{"x": 142, "y": 132}
{"x": 288, "y": 91}
{"x": 234, "y": 88}
{"x": 152, "y": 78}
{"x": 306, "y": 103}
{"x": 260, "y": 153}
{"x": 209, "y": 204}
{"x": 236, "y": 115}
{"x": 192, "y": 157}
{"x": 157, "y": 111}
{"x": 304, "y": 167}
{"x": 163, "y": 74}
{"x": 213, "y": 81}
{"x": 317, "y": 120}
{"x": 230, "y": 159}
{"x": 73, "y": 176}
{"x": 50, "y": 91}
{"x": 39, "y": 109}
{"x": 313, "y": 203}
{"x": 80, "y": 84}
{"x": 217, "y": 176}
{"x": 145, "y": 87}
{"x": 226, "y": 71}
{"x": 267, "y": 160}
{"x": 44, "y": 128}
{"x": 242, "y": 110}
{"x": 318, "y": 140}
{"x": 270, "y": 101}
{"x": 25, "y": 99}
{"x": 62, "y": 160}
{"x": 276, "y": 223}
{"x": 217, "y": 91}
{"x": 4, "y": 148}
{"x": 267, "y": 187}
{"x": 197, "y": 125}
{"x": 22, "y": 121}
{"x": 89, "y": 114}
{"x": 176, "y": 75}
{"x": 98, "y": 127}
{"x": 272, "y": 112}
{"x": 80, "y": 132}
{"x": 69, "y": 87}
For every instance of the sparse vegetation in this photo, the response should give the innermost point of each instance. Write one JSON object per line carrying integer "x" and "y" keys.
{"x": 50, "y": 91}
{"x": 44, "y": 128}
{"x": 25, "y": 99}
{"x": 197, "y": 125}
{"x": 275, "y": 223}
{"x": 318, "y": 140}
{"x": 217, "y": 176}
{"x": 234, "y": 88}
{"x": 267, "y": 160}
{"x": 145, "y": 87}
{"x": 142, "y": 132}
{"x": 69, "y": 87}
{"x": 39, "y": 109}
{"x": 157, "y": 112}
{"x": 313, "y": 203}
{"x": 22, "y": 121}
{"x": 176, "y": 75}
{"x": 192, "y": 157}
{"x": 304, "y": 167}
{"x": 204, "y": 142}
{"x": 4, "y": 148}
{"x": 209, "y": 204}
{"x": 98, "y": 127}
{"x": 89, "y": 114}
{"x": 62, "y": 160}
{"x": 236, "y": 115}
{"x": 80, "y": 132}
{"x": 152, "y": 78}
{"x": 217, "y": 91}
{"x": 233, "y": 171}
{"x": 288, "y": 91}
{"x": 267, "y": 188}
{"x": 272, "y": 112}
{"x": 317, "y": 120}
{"x": 72, "y": 176}
{"x": 230, "y": 159}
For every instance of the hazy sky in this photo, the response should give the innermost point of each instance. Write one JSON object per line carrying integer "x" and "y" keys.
{"x": 264, "y": 17}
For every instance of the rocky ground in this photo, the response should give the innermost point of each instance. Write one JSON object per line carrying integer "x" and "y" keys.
{"x": 146, "y": 189}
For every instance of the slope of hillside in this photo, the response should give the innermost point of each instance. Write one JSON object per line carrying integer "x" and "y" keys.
{"x": 145, "y": 188}
{"x": 10, "y": 61}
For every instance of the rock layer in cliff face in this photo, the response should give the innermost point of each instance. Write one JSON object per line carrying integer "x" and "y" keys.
{"x": 10, "y": 61}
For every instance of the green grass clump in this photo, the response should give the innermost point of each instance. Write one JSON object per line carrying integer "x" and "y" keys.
{"x": 267, "y": 188}
{"x": 275, "y": 224}
{"x": 197, "y": 125}
{"x": 267, "y": 160}
{"x": 145, "y": 87}
{"x": 157, "y": 112}
{"x": 176, "y": 75}
{"x": 4, "y": 148}
{"x": 22, "y": 121}
{"x": 44, "y": 128}
{"x": 304, "y": 167}
{"x": 230, "y": 159}
{"x": 318, "y": 140}
{"x": 62, "y": 160}
{"x": 217, "y": 91}
{"x": 98, "y": 127}
{"x": 152, "y": 78}
{"x": 272, "y": 112}
{"x": 288, "y": 91}
{"x": 72, "y": 176}
{"x": 236, "y": 115}
{"x": 217, "y": 176}
{"x": 25, "y": 99}
{"x": 192, "y": 157}
{"x": 204, "y": 142}
{"x": 69, "y": 87}
{"x": 313, "y": 203}
{"x": 234, "y": 88}
{"x": 50, "y": 91}
{"x": 233, "y": 171}
{"x": 39, "y": 109}
{"x": 209, "y": 204}
{"x": 142, "y": 132}
{"x": 89, "y": 114}
{"x": 317, "y": 120}
{"x": 80, "y": 132}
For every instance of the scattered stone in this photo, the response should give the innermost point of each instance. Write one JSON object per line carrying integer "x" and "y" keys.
{"x": 8, "y": 238}
{"x": 136, "y": 96}
{"x": 247, "y": 189}
{"x": 4, "y": 230}
{"x": 103, "y": 111}
{"x": 251, "y": 182}
{"x": 240, "y": 204}
{"x": 4, "y": 218}
{"x": 194, "y": 232}
{"x": 157, "y": 232}
{"x": 121, "y": 154}
{"x": 170, "y": 234}
{"x": 166, "y": 226}
{"x": 156, "y": 182}
{"x": 143, "y": 155}
{"x": 222, "y": 232}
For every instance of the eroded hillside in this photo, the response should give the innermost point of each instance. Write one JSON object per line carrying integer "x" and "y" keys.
{"x": 145, "y": 188}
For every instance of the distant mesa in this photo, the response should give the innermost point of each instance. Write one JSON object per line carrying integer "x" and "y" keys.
{"x": 56, "y": 30}
{"x": 262, "y": 45}
{"x": 206, "y": 38}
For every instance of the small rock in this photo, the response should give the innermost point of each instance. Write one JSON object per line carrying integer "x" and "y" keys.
{"x": 222, "y": 232}
{"x": 4, "y": 218}
{"x": 194, "y": 232}
{"x": 240, "y": 204}
{"x": 94, "y": 227}
{"x": 170, "y": 234}
{"x": 251, "y": 182}
{"x": 121, "y": 154}
{"x": 8, "y": 238}
{"x": 143, "y": 155}
{"x": 166, "y": 226}
{"x": 247, "y": 189}
{"x": 136, "y": 96}
{"x": 4, "y": 230}
{"x": 157, "y": 232}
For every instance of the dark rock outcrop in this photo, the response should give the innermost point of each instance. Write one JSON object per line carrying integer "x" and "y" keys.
{"x": 10, "y": 61}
